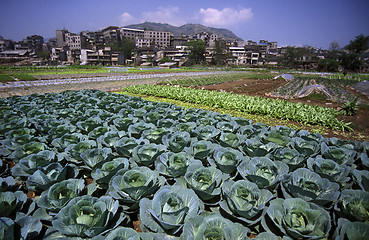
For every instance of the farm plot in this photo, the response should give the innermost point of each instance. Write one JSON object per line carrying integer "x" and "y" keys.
{"x": 92, "y": 165}
{"x": 302, "y": 113}
{"x": 333, "y": 87}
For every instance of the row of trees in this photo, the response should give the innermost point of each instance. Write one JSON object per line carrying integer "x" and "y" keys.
{"x": 349, "y": 58}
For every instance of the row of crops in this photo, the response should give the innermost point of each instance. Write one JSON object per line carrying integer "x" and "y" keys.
{"x": 334, "y": 87}
{"x": 219, "y": 78}
{"x": 88, "y": 164}
{"x": 303, "y": 113}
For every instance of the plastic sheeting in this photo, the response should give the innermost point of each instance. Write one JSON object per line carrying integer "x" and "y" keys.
{"x": 362, "y": 87}
{"x": 309, "y": 89}
{"x": 285, "y": 76}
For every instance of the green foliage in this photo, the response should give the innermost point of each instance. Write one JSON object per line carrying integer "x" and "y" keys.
{"x": 203, "y": 174}
{"x": 350, "y": 107}
{"x": 197, "y": 47}
{"x": 5, "y": 78}
{"x": 255, "y": 105}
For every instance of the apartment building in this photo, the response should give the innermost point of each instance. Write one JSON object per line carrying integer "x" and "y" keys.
{"x": 158, "y": 39}
{"x": 133, "y": 34}
{"x": 73, "y": 41}
{"x": 111, "y": 34}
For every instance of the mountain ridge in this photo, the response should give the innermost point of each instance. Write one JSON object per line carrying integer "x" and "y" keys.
{"x": 188, "y": 29}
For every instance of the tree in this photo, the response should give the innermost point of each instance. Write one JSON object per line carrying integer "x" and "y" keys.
{"x": 352, "y": 61}
{"x": 220, "y": 54}
{"x": 334, "y": 46}
{"x": 359, "y": 45}
{"x": 197, "y": 48}
{"x": 125, "y": 46}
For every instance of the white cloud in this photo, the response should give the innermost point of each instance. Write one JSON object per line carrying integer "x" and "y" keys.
{"x": 126, "y": 19}
{"x": 226, "y": 17}
{"x": 168, "y": 15}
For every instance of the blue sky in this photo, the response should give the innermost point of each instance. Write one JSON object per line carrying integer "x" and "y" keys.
{"x": 288, "y": 22}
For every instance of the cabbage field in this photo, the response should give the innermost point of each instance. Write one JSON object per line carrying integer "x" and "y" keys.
{"x": 95, "y": 165}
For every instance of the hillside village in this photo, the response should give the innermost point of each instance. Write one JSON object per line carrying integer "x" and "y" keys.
{"x": 143, "y": 47}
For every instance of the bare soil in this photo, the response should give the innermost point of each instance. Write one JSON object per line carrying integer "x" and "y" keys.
{"x": 260, "y": 87}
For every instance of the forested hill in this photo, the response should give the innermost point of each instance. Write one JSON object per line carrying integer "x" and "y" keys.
{"x": 188, "y": 29}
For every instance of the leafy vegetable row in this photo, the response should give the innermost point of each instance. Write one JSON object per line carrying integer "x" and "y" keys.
{"x": 219, "y": 78}
{"x": 303, "y": 113}
{"x": 91, "y": 163}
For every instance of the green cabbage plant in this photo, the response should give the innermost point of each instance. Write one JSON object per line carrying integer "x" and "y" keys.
{"x": 351, "y": 230}
{"x": 290, "y": 156}
{"x": 226, "y": 159}
{"x": 129, "y": 186}
{"x": 86, "y": 217}
{"x": 205, "y": 181}
{"x": 308, "y": 185}
{"x": 200, "y": 149}
{"x": 329, "y": 169}
{"x": 177, "y": 141}
{"x": 145, "y": 155}
{"x": 46, "y": 176}
{"x": 244, "y": 201}
{"x": 297, "y": 219}
{"x": 353, "y": 205}
{"x": 170, "y": 208}
{"x": 213, "y": 226}
{"x": 173, "y": 165}
{"x": 262, "y": 171}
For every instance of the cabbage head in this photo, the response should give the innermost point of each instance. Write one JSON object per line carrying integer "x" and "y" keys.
{"x": 95, "y": 157}
{"x": 306, "y": 147}
{"x": 88, "y": 216}
{"x": 46, "y": 176}
{"x": 254, "y": 147}
{"x": 213, "y": 226}
{"x": 200, "y": 149}
{"x": 173, "y": 165}
{"x": 171, "y": 207}
{"x": 129, "y": 186}
{"x": 339, "y": 154}
{"x": 231, "y": 140}
{"x": 297, "y": 219}
{"x": 145, "y": 155}
{"x": 262, "y": 171}
{"x": 125, "y": 145}
{"x": 226, "y": 159}
{"x": 11, "y": 202}
{"x": 308, "y": 185}
{"x": 361, "y": 178}
{"x": 73, "y": 151}
{"x": 29, "y": 164}
{"x": 244, "y": 201}
{"x": 110, "y": 138}
{"x": 205, "y": 181}
{"x": 103, "y": 174}
{"x": 329, "y": 169}
{"x": 207, "y": 132}
{"x": 351, "y": 230}
{"x": 353, "y": 205}
{"x": 177, "y": 141}
{"x": 290, "y": 156}
{"x": 59, "y": 194}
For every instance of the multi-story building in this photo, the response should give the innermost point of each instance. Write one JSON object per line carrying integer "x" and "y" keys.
{"x": 73, "y": 41}
{"x": 133, "y": 34}
{"x": 34, "y": 42}
{"x": 158, "y": 39}
{"x": 60, "y": 38}
{"x": 111, "y": 34}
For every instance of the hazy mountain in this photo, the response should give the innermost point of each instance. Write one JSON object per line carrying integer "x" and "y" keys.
{"x": 188, "y": 29}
